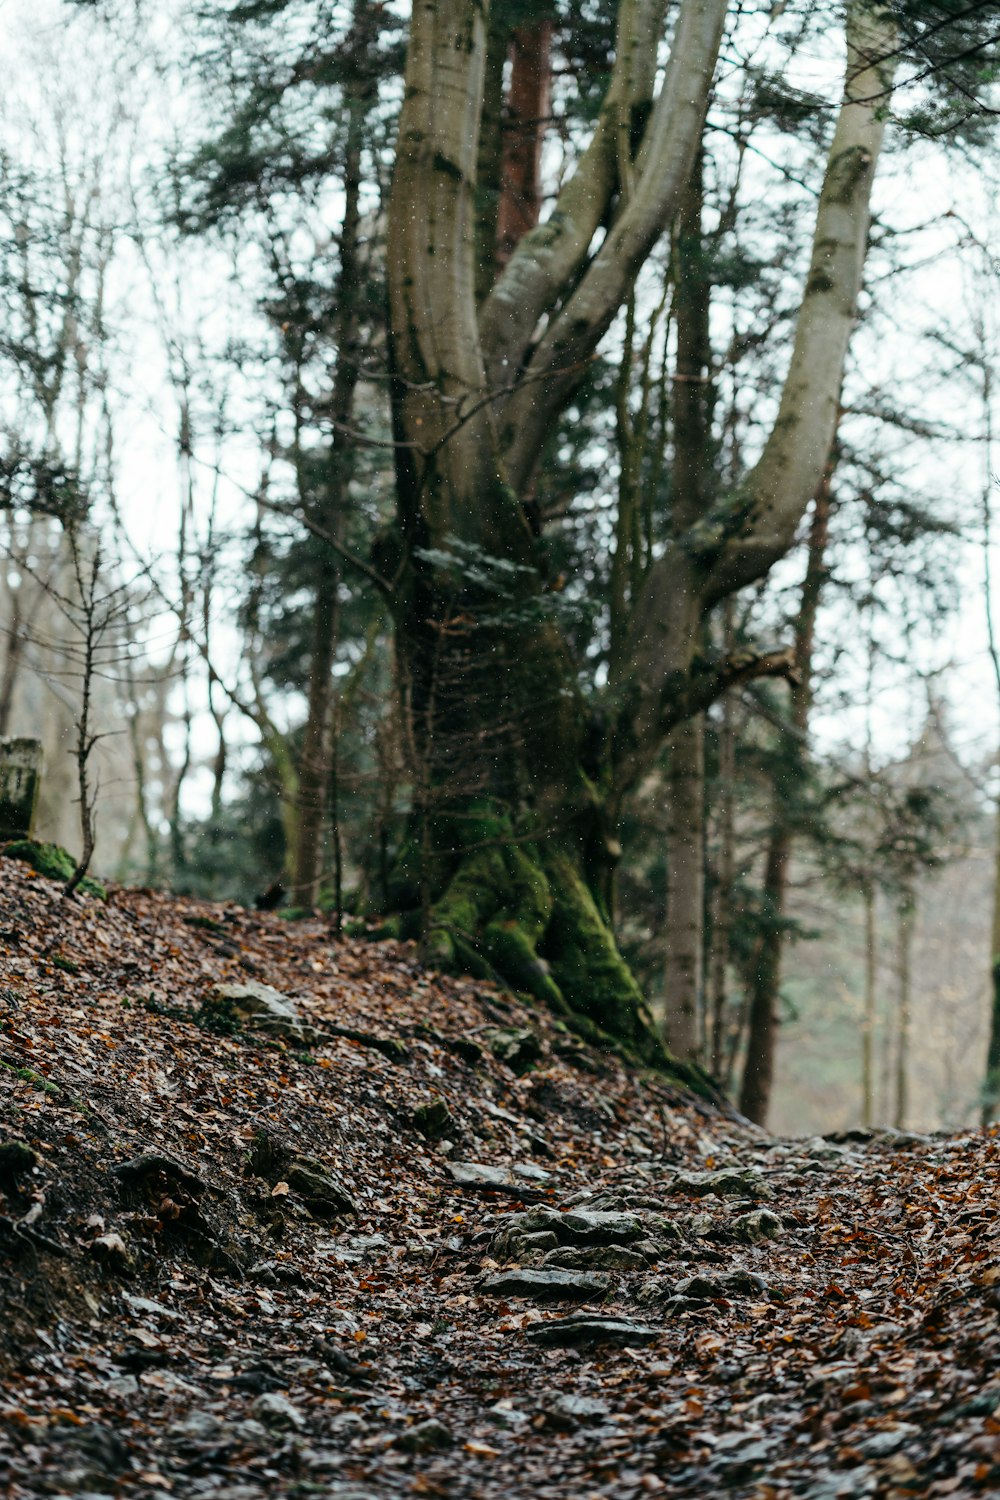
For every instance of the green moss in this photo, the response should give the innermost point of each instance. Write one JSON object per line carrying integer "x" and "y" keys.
{"x": 218, "y": 1015}
{"x": 37, "y": 1080}
{"x": 594, "y": 979}
{"x": 66, "y": 964}
{"x": 54, "y": 862}
{"x": 206, "y": 924}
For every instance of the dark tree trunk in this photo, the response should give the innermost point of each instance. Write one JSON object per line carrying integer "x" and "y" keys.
{"x": 765, "y": 974}
{"x": 315, "y": 768}
{"x": 686, "y": 769}
{"x": 314, "y": 762}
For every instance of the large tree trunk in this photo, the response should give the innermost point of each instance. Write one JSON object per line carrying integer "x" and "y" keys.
{"x": 511, "y": 846}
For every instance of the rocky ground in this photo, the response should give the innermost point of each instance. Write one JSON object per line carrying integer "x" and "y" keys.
{"x": 283, "y": 1216}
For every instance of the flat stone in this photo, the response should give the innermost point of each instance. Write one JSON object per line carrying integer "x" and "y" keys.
{"x": 724, "y": 1182}
{"x": 595, "y": 1257}
{"x": 480, "y": 1175}
{"x": 881, "y": 1444}
{"x": 531, "y": 1172}
{"x": 589, "y": 1330}
{"x": 198, "y": 1427}
{"x": 581, "y": 1408}
{"x": 254, "y": 999}
{"x": 263, "y": 1008}
{"x": 599, "y": 1227}
{"x": 724, "y": 1284}
{"x": 536, "y": 1220}
{"x": 145, "y": 1306}
{"x": 506, "y": 1414}
{"x": 548, "y": 1286}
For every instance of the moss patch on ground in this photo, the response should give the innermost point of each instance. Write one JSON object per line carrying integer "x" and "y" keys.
{"x": 55, "y": 862}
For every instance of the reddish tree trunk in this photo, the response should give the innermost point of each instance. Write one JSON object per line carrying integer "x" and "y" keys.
{"x": 523, "y": 133}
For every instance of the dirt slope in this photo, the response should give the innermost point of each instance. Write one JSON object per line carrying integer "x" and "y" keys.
{"x": 397, "y": 1235}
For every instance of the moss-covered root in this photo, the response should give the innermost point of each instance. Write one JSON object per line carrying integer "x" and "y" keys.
{"x": 54, "y": 862}
{"x": 491, "y": 919}
{"x": 532, "y": 921}
{"x": 593, "y": 978}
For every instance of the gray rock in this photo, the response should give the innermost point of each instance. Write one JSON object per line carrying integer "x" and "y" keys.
{"x": 433, "y": 1119}
{"x": 474, "y": 1174}
{"x": 580, "y": 1409}
{"x": 723, "y": 1182}
{"x": 599, "y": 1227}
{"x": 425, "y": 1437}
{"x": 531, "y": 1172}
{"x": 123, "y": 1386}
{"x": 548, "y": 1286}
{"x": 506, "y": 1414}
{"x": 588, "y": 1330}
{"x": 842, "y": 1484}
{"x": 276, "y": 1412}
{"x": 198, "y": 1427}
{"x": 545, "y": 1240}
{"x": 881, "y": 1444}
{"x": 262, "y": 1008}
{"x": 723, "y": 1284}
{"x": 597, "y": 1258}
{"x": 145, "y": 1306}
{"x": 324, "y": 1195}
{"x": 518, "y": 1047}
{"x": 756, "y": 1228}
{"x": 665, "y": 1231}
{"x": 696, "y": 1226}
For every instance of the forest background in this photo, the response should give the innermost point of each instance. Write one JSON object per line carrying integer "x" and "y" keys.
{"x": 193, "y": 359}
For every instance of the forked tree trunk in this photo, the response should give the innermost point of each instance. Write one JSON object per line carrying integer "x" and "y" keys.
{"x": 515, "y": 846}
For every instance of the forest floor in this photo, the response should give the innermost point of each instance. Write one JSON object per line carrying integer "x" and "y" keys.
{"x": 400, "y": 1235}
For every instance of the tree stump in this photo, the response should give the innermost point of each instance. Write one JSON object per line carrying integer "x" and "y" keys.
{"x": 20, "y": 776}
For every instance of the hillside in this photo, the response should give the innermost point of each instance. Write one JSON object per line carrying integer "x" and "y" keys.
{"x": 389, "y": 1233}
